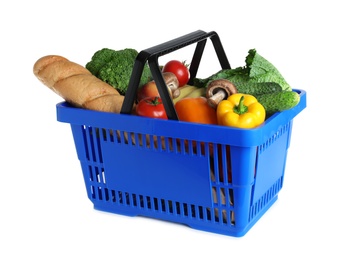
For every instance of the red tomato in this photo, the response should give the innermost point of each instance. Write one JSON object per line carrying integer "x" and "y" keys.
{"x": 151, "y": 107}
{"x": 180, "y": 69}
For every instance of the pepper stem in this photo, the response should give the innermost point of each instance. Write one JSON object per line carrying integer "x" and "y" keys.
{"x": 240, "y": 108}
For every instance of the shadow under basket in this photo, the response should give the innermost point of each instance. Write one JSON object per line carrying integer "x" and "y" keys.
{"x": 211, "y": 178}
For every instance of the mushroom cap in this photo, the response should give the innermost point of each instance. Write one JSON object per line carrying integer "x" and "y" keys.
{"x": 218, "y": 90}
{"x": 171, "y": 79}
{"x": 172, "y": 83}
{"x": 221, "y": 84}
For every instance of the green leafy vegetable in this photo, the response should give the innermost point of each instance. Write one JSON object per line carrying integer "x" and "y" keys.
{"x": 256, "y": 70}
{"x": 261, "y": 70}
{"x": 115, "y": 67}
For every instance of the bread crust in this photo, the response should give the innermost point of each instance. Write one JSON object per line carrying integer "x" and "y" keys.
{"x": 75, "y": 84}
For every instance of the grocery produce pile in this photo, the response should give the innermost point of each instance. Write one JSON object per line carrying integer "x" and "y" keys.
{"x": 242, "y": 97}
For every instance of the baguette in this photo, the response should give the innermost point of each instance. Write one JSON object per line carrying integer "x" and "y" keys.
{"x": 76, "y": 85}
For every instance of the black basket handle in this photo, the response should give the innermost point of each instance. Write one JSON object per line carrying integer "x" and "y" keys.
{"x": 151, "y": 56}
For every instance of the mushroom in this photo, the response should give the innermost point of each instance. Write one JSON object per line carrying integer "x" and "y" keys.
{"x": 218, "y": 90}
{"x": 172, "y": 83}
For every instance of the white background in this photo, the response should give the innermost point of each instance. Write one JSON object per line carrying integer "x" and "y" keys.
{"x": 45, "y": 210}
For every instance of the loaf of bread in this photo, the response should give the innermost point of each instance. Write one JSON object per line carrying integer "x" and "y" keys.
{"x": 75, "y": 84}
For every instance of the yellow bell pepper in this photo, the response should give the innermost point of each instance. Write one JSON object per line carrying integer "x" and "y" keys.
{"x": 240, "y": 110}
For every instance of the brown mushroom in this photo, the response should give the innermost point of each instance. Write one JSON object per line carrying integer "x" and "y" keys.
{"x": 218, "y": 90}
{"x": 172, "y": 83}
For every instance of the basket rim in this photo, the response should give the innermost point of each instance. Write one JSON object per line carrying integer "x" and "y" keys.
{"x": 66, "y": 113}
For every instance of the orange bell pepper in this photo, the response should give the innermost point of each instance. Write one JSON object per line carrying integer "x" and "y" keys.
{"x": 195, "y": 110}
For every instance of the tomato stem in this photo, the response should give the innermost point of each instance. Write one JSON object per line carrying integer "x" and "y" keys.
{"x": 154, "y": 101}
